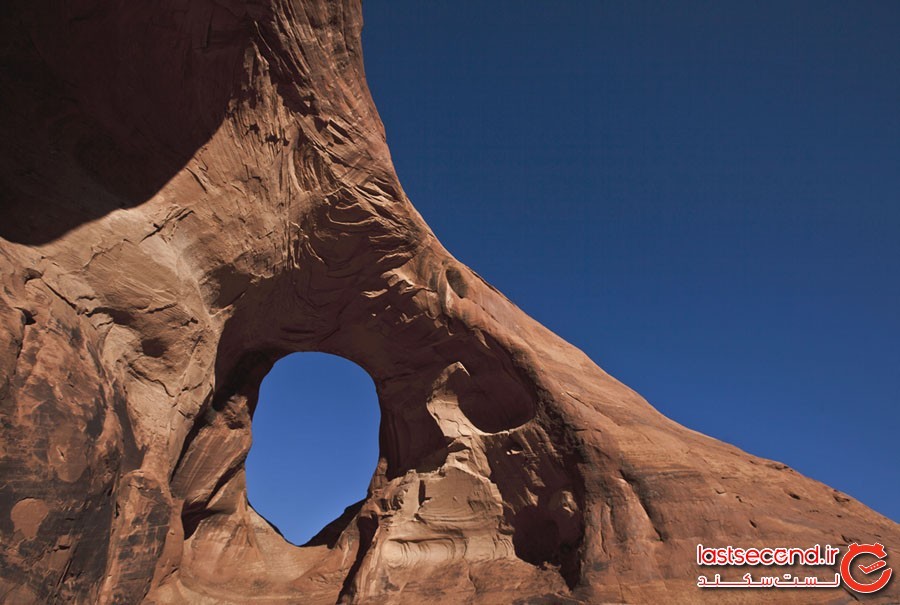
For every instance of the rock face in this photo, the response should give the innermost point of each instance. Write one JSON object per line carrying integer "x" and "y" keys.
{"x": 191, "y": 190}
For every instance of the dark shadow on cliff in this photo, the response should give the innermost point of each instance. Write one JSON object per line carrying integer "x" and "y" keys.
{"x": 102, "y": 103}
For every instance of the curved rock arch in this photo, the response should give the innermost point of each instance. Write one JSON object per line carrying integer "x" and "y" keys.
{"x": 192, "y": 191}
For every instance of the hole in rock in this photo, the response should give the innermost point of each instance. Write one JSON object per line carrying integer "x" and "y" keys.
{"x": 315, "y": 443}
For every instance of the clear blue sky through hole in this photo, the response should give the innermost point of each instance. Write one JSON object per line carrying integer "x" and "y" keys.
{"x": 315, "y": 442}
{"x": 702, "y": 196}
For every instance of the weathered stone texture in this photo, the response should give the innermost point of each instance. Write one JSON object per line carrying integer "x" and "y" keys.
{"x": 193, "y": 189}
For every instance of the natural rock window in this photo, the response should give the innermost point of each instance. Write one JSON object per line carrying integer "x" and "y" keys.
{"x": 191, "y": 191}
{"x": 315, "y": 442}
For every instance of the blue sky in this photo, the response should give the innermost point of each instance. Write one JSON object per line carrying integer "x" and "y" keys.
{"x": 702, "y": 196}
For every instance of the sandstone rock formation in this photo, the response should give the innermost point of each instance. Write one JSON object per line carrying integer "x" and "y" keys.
{"x": 193, "y": 189}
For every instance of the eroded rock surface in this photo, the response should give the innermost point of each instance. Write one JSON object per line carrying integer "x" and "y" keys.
{"x": 191, "y": 190}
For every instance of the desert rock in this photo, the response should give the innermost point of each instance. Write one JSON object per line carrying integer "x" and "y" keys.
{"x": 192, "y": 190}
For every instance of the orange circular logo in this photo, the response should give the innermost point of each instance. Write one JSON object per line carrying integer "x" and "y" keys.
{"x": 855, "y": 550}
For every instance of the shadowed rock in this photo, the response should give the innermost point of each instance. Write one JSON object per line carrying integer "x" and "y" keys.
{"x": 192, "y": 190}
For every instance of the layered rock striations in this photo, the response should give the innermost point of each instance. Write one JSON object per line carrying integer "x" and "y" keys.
{"x": 191, "y": 190}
